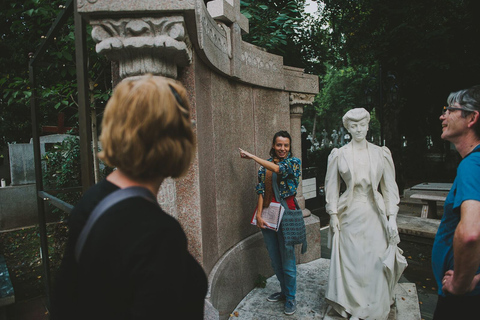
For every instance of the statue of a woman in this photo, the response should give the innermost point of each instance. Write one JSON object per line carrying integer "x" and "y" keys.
{"x": 365, "y": 262}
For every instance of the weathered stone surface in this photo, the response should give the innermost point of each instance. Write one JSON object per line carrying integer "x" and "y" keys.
{"x": 239, "y": 96}
{"x": 22, "y": 167}
{"x": 421, "y": 227}
{"x": 18, "y": 207}
{"x": 144, "y": 45}
{"x": 311, "y": 283}
{"x": 234, "y": 275}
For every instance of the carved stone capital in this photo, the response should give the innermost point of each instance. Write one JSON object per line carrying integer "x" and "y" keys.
{"x": 144, "y": 45}
{"x": 301, "y": 98}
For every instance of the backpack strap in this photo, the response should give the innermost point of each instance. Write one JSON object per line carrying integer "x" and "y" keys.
{"x": 106, "y": 203}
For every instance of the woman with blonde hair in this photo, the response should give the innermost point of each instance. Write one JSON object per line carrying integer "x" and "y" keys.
{"x": 134, "y": 263}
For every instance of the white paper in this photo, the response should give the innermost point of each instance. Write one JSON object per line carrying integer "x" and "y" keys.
{"x": 271, "y": 215}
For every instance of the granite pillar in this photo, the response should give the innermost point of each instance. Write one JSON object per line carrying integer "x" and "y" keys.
{"x": 297, "y": 102}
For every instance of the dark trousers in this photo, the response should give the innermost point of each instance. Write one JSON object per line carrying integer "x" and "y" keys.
{"x": 457, "y": 307}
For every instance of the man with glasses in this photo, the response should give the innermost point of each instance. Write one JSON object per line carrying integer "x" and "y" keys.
{"x": 456, "y": 250}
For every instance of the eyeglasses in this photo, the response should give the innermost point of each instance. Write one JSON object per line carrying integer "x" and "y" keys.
{"x": 450, "y": 109}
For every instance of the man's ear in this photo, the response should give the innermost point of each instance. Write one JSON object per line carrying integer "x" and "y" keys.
{"x": 474, "y": 119}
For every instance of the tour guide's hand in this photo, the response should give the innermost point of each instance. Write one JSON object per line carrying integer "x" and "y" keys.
{"x": 334, "y": 223}
{"x": 450, "y": 287}
{"x": 261, "y": 223}
{"x": 244, "y": 154}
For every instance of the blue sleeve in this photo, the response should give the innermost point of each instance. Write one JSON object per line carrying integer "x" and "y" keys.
{"x": 468, "y": 180}
{"x": 290, "y": 167}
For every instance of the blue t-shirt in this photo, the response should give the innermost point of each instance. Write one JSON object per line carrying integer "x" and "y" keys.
{"x": 465, "y": 187}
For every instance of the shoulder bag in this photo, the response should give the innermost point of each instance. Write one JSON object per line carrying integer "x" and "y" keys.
{"x": 292, "y": 225}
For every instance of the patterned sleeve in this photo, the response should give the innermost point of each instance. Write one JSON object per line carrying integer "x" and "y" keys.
{"x": 260, "y": 188}
{"x": 290, "y": 167}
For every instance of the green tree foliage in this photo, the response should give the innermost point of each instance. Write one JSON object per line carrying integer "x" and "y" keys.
{"x": 24, "y": 25}
{"x": 424, "y": 49}
{"x": 277, "y": 26}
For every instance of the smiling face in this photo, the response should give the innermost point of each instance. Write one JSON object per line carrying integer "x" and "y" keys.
{"x": 358, "y": 129}
{"x": 281, "y": 147}
{"x": 453, "y": 124}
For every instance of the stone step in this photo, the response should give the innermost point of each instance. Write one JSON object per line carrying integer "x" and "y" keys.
{"x": 416, "y": 226}
{"x": 312, "y": 279}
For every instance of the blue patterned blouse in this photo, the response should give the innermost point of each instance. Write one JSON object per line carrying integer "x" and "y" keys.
{"x": 290, "y": 172}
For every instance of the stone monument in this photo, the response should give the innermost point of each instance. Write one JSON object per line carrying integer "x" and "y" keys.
{"x": 239, "y": 94}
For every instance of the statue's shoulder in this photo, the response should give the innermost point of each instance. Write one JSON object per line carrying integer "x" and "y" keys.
{"x": 386, "y": 151}
{"x": 333, "y": 154}
{"x": 379, "y": 149}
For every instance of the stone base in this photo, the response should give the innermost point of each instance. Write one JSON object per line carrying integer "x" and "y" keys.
{"x": 312, "y": 280}
{"x": 234, "y": 275}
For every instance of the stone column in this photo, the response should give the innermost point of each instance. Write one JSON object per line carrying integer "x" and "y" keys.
{"x": 144, "y": 45}
{"x": 297, "y": 102}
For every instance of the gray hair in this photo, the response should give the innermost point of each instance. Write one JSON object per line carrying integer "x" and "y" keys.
{"x": 468, "y": 99}
{"x": 356, "y": 114}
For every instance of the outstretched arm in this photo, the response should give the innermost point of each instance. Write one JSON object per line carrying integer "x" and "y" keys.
{"x": 267, "y": 164}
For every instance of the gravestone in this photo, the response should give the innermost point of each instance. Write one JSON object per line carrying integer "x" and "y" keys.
{"x": 22, "y": 168}
{"x": 22, "y": 165}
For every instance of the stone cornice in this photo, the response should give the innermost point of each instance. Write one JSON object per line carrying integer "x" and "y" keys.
{"x": 142, "y": 45}
{"x": 301, "y": 99}
{"x": 160, "y": 36}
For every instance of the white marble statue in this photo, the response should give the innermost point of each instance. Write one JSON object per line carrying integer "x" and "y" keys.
{"x": 365, "y": 263}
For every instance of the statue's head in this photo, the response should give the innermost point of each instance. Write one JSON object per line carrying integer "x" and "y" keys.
{"x": 356, "y": 122}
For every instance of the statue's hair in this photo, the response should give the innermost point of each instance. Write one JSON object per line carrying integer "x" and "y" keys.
{"x": 146, "y": 129}
{"x": 356, "y": 114}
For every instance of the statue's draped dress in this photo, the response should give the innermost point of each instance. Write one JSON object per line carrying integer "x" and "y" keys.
{"x": 357, "y": 283}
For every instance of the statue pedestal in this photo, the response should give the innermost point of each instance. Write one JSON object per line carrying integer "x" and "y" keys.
{"x": 312, "y": 278}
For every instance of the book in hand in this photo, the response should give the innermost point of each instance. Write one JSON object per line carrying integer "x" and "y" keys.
{"x": 271, "y": 215}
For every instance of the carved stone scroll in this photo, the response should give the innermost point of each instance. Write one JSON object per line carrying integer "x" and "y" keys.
{"x": 146, "y": 45}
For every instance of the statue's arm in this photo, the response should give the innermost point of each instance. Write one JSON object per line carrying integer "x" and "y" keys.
{"x": 332, "y": 183}
{"x": 390, "y": 194}
{"x": 388, "y": 184}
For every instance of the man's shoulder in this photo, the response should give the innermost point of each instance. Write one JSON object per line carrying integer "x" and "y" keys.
{"x": 469, "y": 163}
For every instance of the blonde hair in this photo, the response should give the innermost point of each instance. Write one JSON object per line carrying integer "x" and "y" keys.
{"x": 146, "y": 129}
{"x": 356, "y": 114}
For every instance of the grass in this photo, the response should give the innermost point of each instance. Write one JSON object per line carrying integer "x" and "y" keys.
{"x": 21, "y": 249}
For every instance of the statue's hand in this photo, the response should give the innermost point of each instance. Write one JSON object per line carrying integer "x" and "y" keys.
{"x": 392, "y": 226}
{"x": 334, "y": 223}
